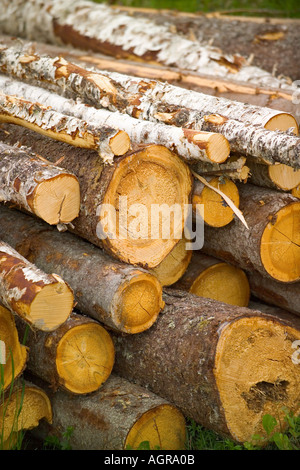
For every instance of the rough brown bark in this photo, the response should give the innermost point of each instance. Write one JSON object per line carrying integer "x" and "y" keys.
{"x": 279, "y": 177}
{"x": 105, "y": 184}
{"x": 285, "y": 296}
{"x": 77, "y": 357}
{"x": 25, "y": 179}
{"x": 43, "y": 300}
{"x": 182, "y": 358}
{"x": 118, "y": 295}
{"x": 270, "y": 245}
{"x": 118, "y": 416}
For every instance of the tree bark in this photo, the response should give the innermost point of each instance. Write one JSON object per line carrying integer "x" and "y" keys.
{"x": 224, "y": 367}
{"x": 77, "y": 357}
{"x": 129, "y": 177}
{"x": 161, "y": 102}
{"x": 270, "y": 245}
{"x": 209, "y": 277}
{"x": 280, "y": 177}
{"x": 37, "y": 186}
{"x": 43, "y": 300}
{"x": 119, "y": 416}
{"x": 120, "y": 296}
{"x": 285, "y": 296}
{"x": 13, "y": 354}
{"x": 103, "y": 29}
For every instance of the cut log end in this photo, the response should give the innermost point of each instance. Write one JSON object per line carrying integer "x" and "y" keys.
{"x": 51, "y": 306}
{"x": 248, "y": 350}
{"x": 215, "y": 211}
{"x": 174, "y": 265}
{"x": 85, "y": 357}
{"x": 30, "y": 404}
{"x": 144, "y": 184}
{"x": 218, "y": 148}
{"x": 138, "y": 303}
{"x": 280, "y": 244}
{"x": 282, "y": 122}
{"x": 224, "y": 283}
{"x": 15, "y": 353}
{"x": 285, "y": 177}
{"x": 57, "y": 200}
{"x": 163, "y": 427}
{"x": 120, "y": 143}
{"x": 296, "y": 192}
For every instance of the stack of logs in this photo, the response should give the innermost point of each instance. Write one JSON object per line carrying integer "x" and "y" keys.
{"x": 124, "y": 337}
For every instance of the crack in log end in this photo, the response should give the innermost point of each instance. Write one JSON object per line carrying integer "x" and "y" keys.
{"x": 263, "y": 391}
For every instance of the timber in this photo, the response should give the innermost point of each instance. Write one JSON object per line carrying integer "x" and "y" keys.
{"x": 119, "y": 416}
{"x": 130, "y": 176}
{"x": 43, "y": 300}
{"x": 209, "y": 277}
{"x": 28, "y": 403}
{"x": 296, "y": 191}
{"x": 77, "y": 357}
{"x": 280, "y": 177}
{"x": 227, "y": 381}
{"x": 38, "y": 186}
{"x": 138, "y": 98}
{"x": 270, "y": 245}
{"x": 70, "y": 23}
{"x": 123, "y": 297}
{"x": 14, "y": 354}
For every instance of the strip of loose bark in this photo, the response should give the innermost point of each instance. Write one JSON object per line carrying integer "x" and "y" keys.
{"x": 119, "y": 416}
{"x": 43, "y": 300}
{"x": 191, "y": 145}
{"x": 13, "y": 354}
{"x": 130, "y": 177}
{"x": 161, "y": 102}
{"x": 209, "y": 277}
{"x": 107, "y": 30}
{"x": 237, "y": 369}
{"x": 106, "y": 140}
{"x": 270, "y": 245}
{"x": 120, "y": 296}
{"x": 77, "y": 357}
{"x": 38, "y": 186}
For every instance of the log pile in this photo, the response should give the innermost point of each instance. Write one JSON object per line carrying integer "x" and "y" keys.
{"x": 125, "y": 322}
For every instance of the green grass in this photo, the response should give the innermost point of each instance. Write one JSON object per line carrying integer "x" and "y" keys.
{"x": 268, "y": 8}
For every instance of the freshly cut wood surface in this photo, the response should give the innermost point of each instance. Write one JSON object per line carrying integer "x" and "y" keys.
{"x": 149, "y": 176}
{"x": 123, "y": 297}
{"x": 38, "y": 186}
{"x": 13, "y": 353}
{"x": 119, "y": 416}
{"x": 209, "y": 277}
{"x": 282, "y": 177}
{"x": 43, "y": 300}
{"x": 238, "y": 367}
{"x": 77, "y": 357}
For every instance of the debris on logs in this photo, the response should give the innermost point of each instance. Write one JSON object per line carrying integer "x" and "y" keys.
{"x": 119, "y": 416}
{"x": 38, "y": 186}
{"x": 210, "y": 277}
{"x": 121, "y": 296}
{"x": 238, "y": 367}
{"x": 43, "y": 300}
{"x": 78, "y": 356}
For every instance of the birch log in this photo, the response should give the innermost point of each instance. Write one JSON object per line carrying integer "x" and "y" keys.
{"x": 209, "y": 277}
{"x": 37, "y": 186}
{"x": 191, "y": 145}
{"x": 238, "y": 366}
{"x": 120, "y": 296}
{"x": 247, "y": 128}
{"x": 107, "y": 30}
{"x": 43, "y": 300}
{"x": 107, "y": 141}
{"x": 150, "y": 175}
{"x": 77, "y": 357}
{"x": 119, "y": 416}
{"x": 271, "y": 245}
{"x": 13, "y": 353}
